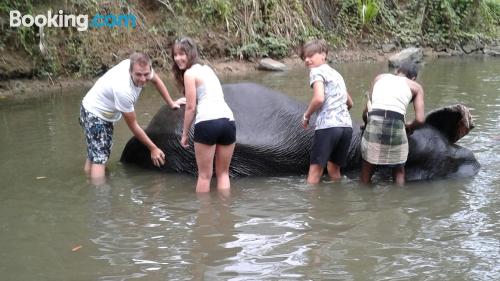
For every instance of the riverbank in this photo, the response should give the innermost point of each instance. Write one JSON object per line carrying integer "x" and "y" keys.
{"x": 232, "y": 35}
{"x": 22, "y": 89}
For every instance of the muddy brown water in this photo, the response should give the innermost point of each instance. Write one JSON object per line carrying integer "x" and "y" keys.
{"x": 143, "y": 225}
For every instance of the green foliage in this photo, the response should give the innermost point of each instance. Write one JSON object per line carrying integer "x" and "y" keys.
{"x": 80, "y": 60}
{"x": 263, "y": 47}
{"x": 345, "y": 23}
{"x": 445, "y": 22}
{"x": 243, "y": 28}
{"x": 451, "y": 21}
{"x": 490, "y": 11}
{"x": 274, "y": 27}
{"x": 367, "y": 10}
{"x": 16, "y": 38}
{"x": 214, "y": 10}
{"x": 250, "y": 50}
{"x": 275, "y": 47}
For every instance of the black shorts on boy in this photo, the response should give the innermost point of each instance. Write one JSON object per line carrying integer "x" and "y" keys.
{"x": 331, "y": 144}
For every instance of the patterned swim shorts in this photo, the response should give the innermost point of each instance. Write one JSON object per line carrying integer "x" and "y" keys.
{"x": 99, "y": 136}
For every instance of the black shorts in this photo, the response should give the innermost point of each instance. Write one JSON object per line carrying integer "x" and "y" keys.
{"x": 331, "y": 144}
{"x": 217, "y": 131}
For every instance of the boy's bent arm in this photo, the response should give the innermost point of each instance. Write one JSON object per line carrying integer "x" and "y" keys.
{"x": 317, "y": 99}
{"x": 349, "y": 101}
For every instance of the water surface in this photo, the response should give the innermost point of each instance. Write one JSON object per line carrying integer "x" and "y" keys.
{"x": 143, "y": 225}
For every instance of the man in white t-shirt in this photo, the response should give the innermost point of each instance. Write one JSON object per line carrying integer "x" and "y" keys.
{"x": 113, "y": 96}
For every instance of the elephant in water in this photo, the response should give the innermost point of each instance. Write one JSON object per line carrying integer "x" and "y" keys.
{"x": 270, "y": 140}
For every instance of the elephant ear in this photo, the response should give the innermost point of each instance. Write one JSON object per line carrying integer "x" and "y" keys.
{"x": 454, "y": 121}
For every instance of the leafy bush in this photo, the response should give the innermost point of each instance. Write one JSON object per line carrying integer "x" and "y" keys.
{"x": 263, "y": 47}
{"x": 367, "y": 10}
{"x": 16, "y": 38}
{"x": 244, "y": 28}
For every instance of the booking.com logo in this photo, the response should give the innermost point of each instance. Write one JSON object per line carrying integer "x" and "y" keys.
{"x": 81, "y": 22}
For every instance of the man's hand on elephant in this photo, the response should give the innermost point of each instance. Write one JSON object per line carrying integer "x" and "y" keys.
{"x": 184, "y": 141}
{"x": 157, "y": 157}
{"x": 177, "y": 104}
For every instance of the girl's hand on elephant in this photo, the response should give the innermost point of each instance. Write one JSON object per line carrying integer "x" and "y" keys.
{"x": 184, "y": 141}
{"x": 179, "y": 102}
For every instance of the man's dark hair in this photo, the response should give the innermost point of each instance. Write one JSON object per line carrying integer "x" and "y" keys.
{"x": 409, "y": 69}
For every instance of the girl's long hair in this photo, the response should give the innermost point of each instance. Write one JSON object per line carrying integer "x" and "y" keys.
{"x": 186, "y": 45}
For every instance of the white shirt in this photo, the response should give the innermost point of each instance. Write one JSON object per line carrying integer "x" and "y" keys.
{"x": 210, "y": 103}
{"x": 113, "y": 93}
{"x": 391, "y": 92}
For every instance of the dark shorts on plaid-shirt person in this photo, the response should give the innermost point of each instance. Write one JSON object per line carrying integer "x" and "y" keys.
{"x": 331, "y": 144}
{"x": 98, "y": 135}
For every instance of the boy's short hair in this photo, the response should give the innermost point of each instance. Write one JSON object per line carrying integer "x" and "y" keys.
{"x": 312, "y": 47}
{"x": 409, "y": 69}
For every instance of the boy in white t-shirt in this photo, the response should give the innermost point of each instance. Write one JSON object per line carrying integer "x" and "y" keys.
{"x": 113, "y": 96}
{"x": 331, "y": 103}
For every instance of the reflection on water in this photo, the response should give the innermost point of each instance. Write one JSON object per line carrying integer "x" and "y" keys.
{"x": 142, "y": 225}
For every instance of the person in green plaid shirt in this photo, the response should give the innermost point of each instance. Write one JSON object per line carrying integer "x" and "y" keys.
{"x": 385, "y": 140}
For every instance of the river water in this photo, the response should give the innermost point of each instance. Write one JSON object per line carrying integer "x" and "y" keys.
{"x": 143, "y": 225}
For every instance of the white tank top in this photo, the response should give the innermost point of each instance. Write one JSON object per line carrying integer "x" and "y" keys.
{"x": 391, "y": 92}
{"x": 210, "y": 103}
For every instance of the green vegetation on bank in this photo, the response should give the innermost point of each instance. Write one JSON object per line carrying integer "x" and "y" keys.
{"x": 242, "y": 29}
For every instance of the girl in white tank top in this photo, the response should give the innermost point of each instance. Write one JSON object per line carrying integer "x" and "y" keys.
{"x": 210, "y": 98}
{"x": 215, "y": 130}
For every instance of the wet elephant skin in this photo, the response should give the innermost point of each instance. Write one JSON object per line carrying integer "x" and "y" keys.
{"x": 270, "y": 140}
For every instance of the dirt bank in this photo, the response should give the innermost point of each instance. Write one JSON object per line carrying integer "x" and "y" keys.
{"x": 36, "y": 61}
{"x": 25, "y": 88}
